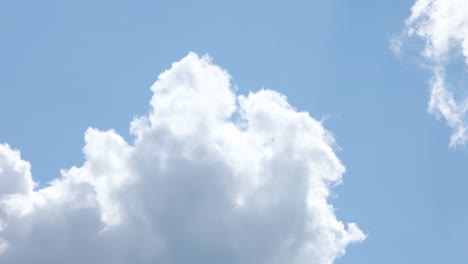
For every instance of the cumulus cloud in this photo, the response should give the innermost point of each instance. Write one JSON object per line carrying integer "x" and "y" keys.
{"x": 211, "y": 177}
{"x": 443, "y": 26}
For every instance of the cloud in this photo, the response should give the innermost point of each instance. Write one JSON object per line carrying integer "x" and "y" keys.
{"x": 443, "y": 26}
{"x": 15, "y": 175}
{"x": 395, "y": 45}
{"x": 211, "y": 177}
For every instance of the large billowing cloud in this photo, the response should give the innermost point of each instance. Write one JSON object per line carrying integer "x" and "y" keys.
{"x": 443, "y": 25}
{"x": 210, "y": 178}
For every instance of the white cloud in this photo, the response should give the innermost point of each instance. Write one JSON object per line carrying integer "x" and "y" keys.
{"x": 15, "y": 175}
{"x": 210, "y": 178}
{"x": 443, "y": 25}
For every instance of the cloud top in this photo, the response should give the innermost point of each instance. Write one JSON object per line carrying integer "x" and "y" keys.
{"x": 15, "y": 175}
{"x": 211, "y": 177}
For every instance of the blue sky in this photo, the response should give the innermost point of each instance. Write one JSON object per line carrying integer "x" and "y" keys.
{"x": 66, "y": 66}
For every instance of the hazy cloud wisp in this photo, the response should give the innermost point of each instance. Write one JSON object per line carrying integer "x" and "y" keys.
{"x": 443, "y": 26}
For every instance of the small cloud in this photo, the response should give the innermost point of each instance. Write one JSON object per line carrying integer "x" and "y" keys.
{"x": 395, "y": 45}
{"x": 443, "y": 26}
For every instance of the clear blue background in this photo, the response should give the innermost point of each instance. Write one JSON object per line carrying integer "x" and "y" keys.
{"x": 67, "y": 65}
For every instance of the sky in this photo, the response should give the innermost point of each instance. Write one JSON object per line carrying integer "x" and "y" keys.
{"x": 178, "y": 131}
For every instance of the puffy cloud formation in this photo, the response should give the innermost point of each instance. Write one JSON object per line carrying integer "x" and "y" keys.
{"x": 443, "y": 25}
{"x": 210, "y": 178}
